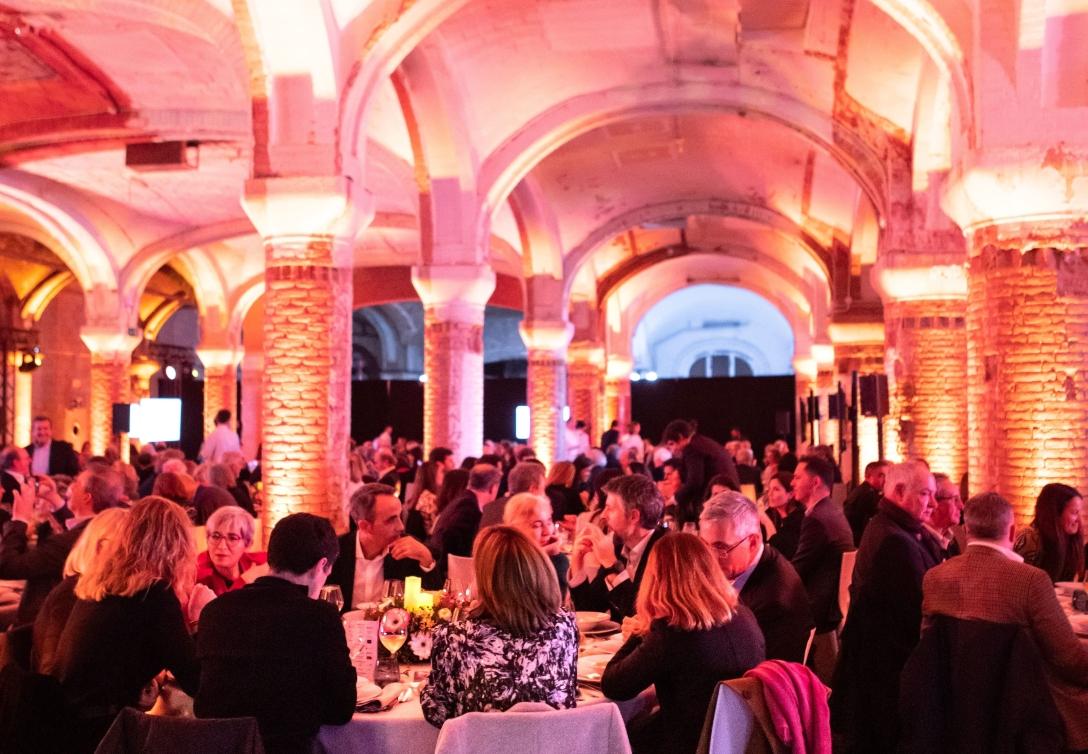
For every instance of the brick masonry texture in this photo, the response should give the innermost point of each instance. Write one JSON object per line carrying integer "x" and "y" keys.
{"x": 220, "y": 389}
{"x": 585, "y": 388}
{"x": 109, "y": 385}
{"x": 547, "y": 394}
{"x": 453, "y": 398}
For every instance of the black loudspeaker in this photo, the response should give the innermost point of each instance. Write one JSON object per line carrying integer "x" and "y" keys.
{"x": 814, "y": 408}
{"x": 873, "y": 391}
{"x": 836, "y": 406}
{"x": 120, "y": 418}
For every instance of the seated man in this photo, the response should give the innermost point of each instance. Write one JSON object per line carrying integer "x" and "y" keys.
{"x": 764, "y": 579}
{"x": 990, "y": 582}
{"x": 610, "y": 578}
{"x": 272, "y": 651}
{"x": 378, "y": 550}
{"x": 524, "y": 477}
{"x": 457, "y": 525}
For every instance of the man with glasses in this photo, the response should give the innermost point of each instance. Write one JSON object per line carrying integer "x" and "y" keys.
{"x": 765, "y": 581}
{"x": 944, "y": 518}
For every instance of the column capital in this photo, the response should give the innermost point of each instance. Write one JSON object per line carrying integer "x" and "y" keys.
{"x": 546, "y": 335}
{"x": 109, "y": 343}
{"x": 218, "y": 357}
{"x": 454, "y": 289}
{"x": 619, "y": 367}
{"x": 586, "y": 351}
{"x": 307, "y": 206}
{"x": 920, "y": 279}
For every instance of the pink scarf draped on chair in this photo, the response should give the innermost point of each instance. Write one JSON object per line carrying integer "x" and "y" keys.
{"x": 797, "y": 702}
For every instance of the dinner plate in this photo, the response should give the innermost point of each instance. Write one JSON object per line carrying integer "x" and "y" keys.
{"x": 588, "y": 620}
{"x": 1079, "y": 622}
{"x": 605, "y": 628}
{"x": 591, "y": 667}
{"x": 1068, "y": 587}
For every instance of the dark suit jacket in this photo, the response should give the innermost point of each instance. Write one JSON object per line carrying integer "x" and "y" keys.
{"x": 595, "y": 594}
{"x": 703, "y": 459}
{"x": 343, "y": 570}
{"x": 456, "y": 528}
{"x": 859, "y": 507}
{"x": 825, "y": 536}
{"x": 775, "y": 594}
{"x": 609, "y": 437}
{"x": 270, "y": 652}
{"x": 62, "y": 458}
{"x": 492, "y": 513}
{"x": 10, "y": 486}
{"x": 41, "y": 565}
{"x": 882, "y": 627}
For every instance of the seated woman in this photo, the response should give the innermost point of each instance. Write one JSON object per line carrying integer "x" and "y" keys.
{"x": 423, "y": 501}
{"x": 785, "y": 513}
{"x": 227, "y": 564}
{"x": 128, "y": 622}
{"x": 688, "y": 634}
{"x": 533, "y": 515}
{"x": 560, "y": 487}
{"x": 95, "y": 542}
{"x": 1054, "y": 540}
{"x": 516, "y": 645}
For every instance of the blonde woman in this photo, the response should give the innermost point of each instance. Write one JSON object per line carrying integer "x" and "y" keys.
{"x": 516, "y": 645}
{"x": 99, "y": 536}
{"x": 689, "y": 633}
{"x": 128, "y": 622}
{"x": 533, "y": 515}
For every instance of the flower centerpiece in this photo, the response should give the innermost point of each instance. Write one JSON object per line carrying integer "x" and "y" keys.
{"x": 425, "y": 617}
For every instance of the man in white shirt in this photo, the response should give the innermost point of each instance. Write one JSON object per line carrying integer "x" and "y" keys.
{"x": 221, "y": 441}
{"x": 577, "y": 439}
{"x": 378, "y": 551}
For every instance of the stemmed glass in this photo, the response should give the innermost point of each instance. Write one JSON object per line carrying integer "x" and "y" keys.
{"x": 393, "y": 631}
{"x": 332, "y": 594}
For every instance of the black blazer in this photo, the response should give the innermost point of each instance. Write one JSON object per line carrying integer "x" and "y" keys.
{"x": 703, "y": 459}
{"x": 343, "y": 570}
{"x": 41, "y": 565}
{"x": 859, "y": 507}
{"x": 825, "y": 536}
{"x": 684, "y": 667}
{"x": 775, "y": 595}
{"x": 456, "y": 528}
{"x": 62, "y": 458}
{"x": 595, "y": 594}
{"x": 269, "y": 651}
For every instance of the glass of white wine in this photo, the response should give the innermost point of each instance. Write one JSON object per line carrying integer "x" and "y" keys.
{"x": 332, "y": 595}
{"x": 393, "y": 631}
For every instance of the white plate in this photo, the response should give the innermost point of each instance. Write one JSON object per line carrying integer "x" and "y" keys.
{"x": 1079, "y": 622}
{"x": 607, "y": 628}
{"x": 590, "y": 667}
{"x": 588, "y": 620}
{"x": 1068, "y": 587}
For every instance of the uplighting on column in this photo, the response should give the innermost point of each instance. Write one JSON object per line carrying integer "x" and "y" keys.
{"x": 547, "y": 386}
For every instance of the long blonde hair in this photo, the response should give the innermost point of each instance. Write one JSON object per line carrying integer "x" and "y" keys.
{"x": 562, "y": 473}
{"x": 154, "y": 543}
{"x": 684, "y": 585}
{"x": 517, "y": 585}
{"x": 97, "y": 539}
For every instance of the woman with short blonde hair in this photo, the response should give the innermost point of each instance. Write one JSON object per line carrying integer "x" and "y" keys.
{"x": 689, "y": 633}
{"x": 515, "y": 645}
{"x": 533, "y": 515}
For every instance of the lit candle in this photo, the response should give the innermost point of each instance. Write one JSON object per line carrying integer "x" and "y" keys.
{"x": 412, "y": 585}
{"x": 425, "y": 602}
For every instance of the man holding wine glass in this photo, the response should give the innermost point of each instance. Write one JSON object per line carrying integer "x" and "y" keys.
{"x": 273, "y": 651}
{"x": 378, "y": 551}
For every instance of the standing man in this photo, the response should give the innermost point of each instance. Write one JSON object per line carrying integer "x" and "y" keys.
{"x": 944, "y": 520}
{"x": 764, "y": 579}
{"x": 885, "y": 616}
{"x": 272, "y": 651}
{"x": 703, "y": 459}
{"x": 611, "y": 578}
{"x": 611, "y": 436}
{"x": 49, "y": 456}
{"x": 577, "y": 439}
{"x": 377, "y": 550}
{"x": 221, "y": 441}
{"x": 861, "y": 504}
{"x": 825, "y": 536}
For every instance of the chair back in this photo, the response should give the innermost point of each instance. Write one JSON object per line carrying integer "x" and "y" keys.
{"x": 846, "y": 578}
{"x": 461, "y": 573}
{"x": 133, "y": 731}
{"x": 590, "y": 729}
{"x": 808, "y": 645}
{"x": 729, "y": 724}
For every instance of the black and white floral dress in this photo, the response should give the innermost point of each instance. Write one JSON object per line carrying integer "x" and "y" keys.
{"x": 477, "y": 667}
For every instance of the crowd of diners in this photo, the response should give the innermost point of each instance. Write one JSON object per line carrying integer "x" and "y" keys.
{"x": 119, "y": 608}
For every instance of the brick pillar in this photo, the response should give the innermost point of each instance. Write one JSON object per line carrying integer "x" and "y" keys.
{"x": 250, "y": 413}
{"x": 1027, "y": 351}
{"x": 585, "y": 387}
{"x": 617, "y": 391}
{"x": 111, "y": 354}
{"x": 454, "y": 297}
{"x": 307, "y": 226}
{"x": 220, "y": 383}
{"x": 546, "y": 387}
{"x": 926, "y": 363}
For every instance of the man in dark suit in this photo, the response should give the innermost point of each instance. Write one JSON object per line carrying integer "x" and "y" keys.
{"x": 49, "y": 456}
{"x": 764, "y": 579}
{"x": 606, "y": 574}
{"x": 527, "y": 476}
{"x": 377, "y": 550}
{"x": 703, "y": 459}
{"x": 92, "y": 492}
{"x": 272, "y": 651}
{"x": 885, "y": 616}
{"x": 860, "y": 504}
{"x": 14, "y": 473}
{"x": 456, "y": 528}
{"x": 611, "y": 436}
{"x": 825, "y": 536}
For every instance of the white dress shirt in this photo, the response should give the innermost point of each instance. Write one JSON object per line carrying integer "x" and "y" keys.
{"x": 369, "y": 582}
{"x": 221, "y": 441}
{"x": 39, "y": 459}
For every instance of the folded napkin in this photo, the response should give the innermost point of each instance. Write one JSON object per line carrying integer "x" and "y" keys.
{"x": 372, "y": 698}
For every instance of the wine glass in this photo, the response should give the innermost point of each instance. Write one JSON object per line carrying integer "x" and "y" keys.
{"x": 332, "y": 594}
{"x": 394, "y": 589}
{"x": 393, "y": 631}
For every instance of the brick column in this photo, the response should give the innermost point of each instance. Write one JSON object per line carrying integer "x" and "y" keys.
{"x": 546, "y": 386}
{"x": 926, "y": 364}
{"x": 617, "y": 390}
{"x": 454, "y": 297}
{"x": 1027, "y": 361}
{"x": 585, "y": 386}
{"x": 220, "y": 383}
{"x": 307, "y": 227}
{"x": 111, "y": 354}
{"x": 250, "y": 413}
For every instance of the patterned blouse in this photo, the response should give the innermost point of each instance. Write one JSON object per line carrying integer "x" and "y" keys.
{"x": 477, "y": 666}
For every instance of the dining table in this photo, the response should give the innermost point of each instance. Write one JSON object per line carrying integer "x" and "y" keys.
{"x": 402, "y": 729}
{"x": 1077, "y": 619}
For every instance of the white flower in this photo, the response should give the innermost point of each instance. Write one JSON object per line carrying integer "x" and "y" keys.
{"x": 421, "y": 643}
{"x": 444, "y": 614}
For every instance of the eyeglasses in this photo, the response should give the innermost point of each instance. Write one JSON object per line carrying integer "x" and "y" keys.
{"x": 218, "y": 537}
{"x": 720, "y": 548}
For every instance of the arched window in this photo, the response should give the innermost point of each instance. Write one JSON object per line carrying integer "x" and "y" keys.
{"x": 721, "y": 364}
